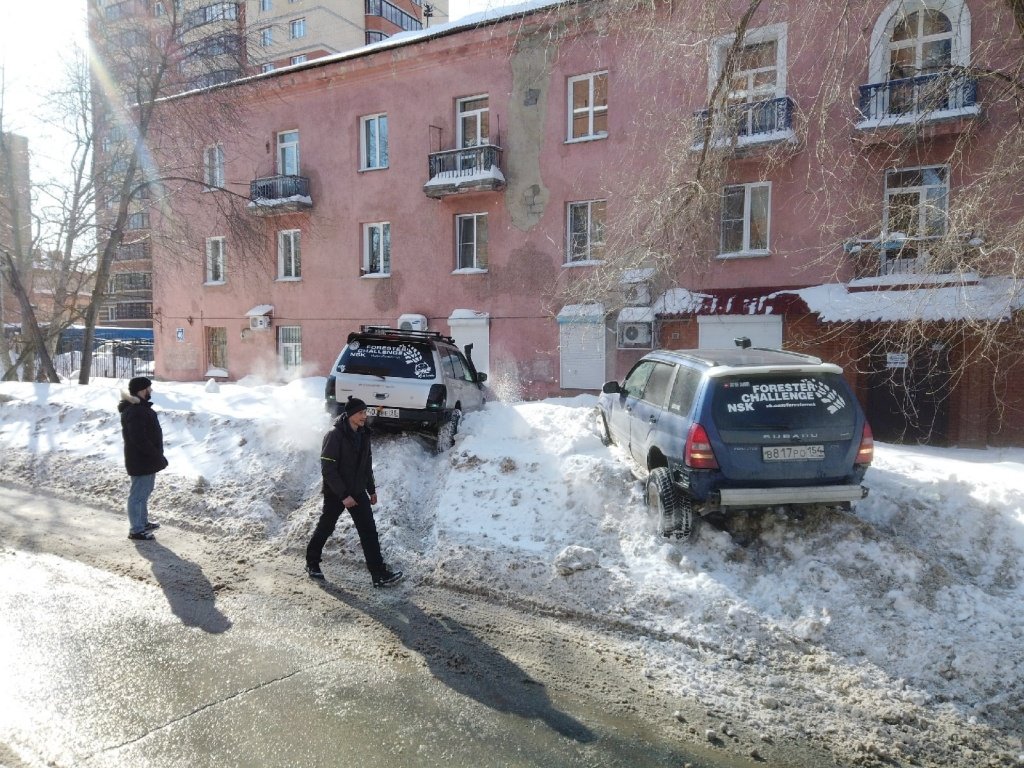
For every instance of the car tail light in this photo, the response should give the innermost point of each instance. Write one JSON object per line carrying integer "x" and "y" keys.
{"x": 699, "y": 453}
{"x": 866, "y": 452}
{"x": 437, "y": 396}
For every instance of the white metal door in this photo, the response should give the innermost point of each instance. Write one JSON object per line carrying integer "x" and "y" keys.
{"x": 720, "y": 331}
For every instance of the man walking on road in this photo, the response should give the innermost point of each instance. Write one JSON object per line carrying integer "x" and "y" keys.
{"x": 143, "y": 453}
{"x": 346, "y": 463}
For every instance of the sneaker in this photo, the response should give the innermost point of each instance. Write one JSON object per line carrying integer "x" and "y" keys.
{"x": 387, "y": 578}
{"x": 314, "y": 572}
{"x": 142, "y": 536}
{"x": 151, "y": 526}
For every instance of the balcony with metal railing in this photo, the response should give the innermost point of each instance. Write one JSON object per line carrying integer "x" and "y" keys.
{"x": 274, "y": 195}
{"x": 949, "y": 96}
{"x": 470, "y": 169}
{"x": 899, "y": 258}
{"x": 746, "y": 127}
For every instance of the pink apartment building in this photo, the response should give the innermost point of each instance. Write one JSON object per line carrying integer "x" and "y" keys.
{"x": 474, "y": 179}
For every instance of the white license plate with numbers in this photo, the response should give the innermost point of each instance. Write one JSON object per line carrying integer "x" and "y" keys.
{"x": 387, "y": 413}
{"x": 793, "y": 452}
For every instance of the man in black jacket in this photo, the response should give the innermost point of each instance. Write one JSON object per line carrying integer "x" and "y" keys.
{"x": 346, "y": 463}
{"x": 143, "y": 453}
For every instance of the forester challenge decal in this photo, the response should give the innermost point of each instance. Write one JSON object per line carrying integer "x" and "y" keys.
{"x": 787, "y": 394}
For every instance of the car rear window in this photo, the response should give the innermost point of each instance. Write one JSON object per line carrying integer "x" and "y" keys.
{"x": 783, "y": 402}
{"x": 404, "y": 360}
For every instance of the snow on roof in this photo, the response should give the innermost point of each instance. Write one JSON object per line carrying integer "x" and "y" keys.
{"x": 260, "y": 309}
{"x": 581, "y": 313}
{"x": 987, "y": 299}
{"x": 631, "y": 276}
{"x": 468, "y": 314}
{"x": 636, "y": 315}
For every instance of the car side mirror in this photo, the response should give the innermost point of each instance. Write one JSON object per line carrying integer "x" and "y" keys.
{"x": 611, "y": 388}
{"x": 481, "y": 378}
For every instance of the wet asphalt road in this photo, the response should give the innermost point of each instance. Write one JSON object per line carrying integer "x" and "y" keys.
{"x": 156, "y": 666}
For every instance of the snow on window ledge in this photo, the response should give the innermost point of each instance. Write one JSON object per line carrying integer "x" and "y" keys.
{"x": 469, "y": 271}
{"x": 582, "y": 263}
{"x": 917, "y": 117}
{"x": 759, "y": 254}
{"x": 375, "y": 275}
{"x": 217, "y": 373}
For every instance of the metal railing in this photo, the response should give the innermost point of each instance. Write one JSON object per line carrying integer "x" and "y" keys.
{"x": 278, "y": 188}
{"x": 463, "y": 162}
{"x": 751, "y": 120}
{"x": 937, "y": 92}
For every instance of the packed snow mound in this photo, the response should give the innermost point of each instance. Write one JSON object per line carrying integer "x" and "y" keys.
{"x": 914, "y": 598}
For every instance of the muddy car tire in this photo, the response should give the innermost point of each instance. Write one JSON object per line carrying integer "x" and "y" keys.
{"x": 662, "y": 499}
{"x": 602, "y": 429}
{"x": 447, "y": 431}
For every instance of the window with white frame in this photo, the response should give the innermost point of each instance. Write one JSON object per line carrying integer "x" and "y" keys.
{"x": 473, "y": 123}
{"x": 745, "y": 219}
{"x": 374, "y": 142}
{"x": 297, "y": 28}
{"x": 471, "y": 242}
{"x": 266, "y": 5}
{"x": 267, "y": 37}
{"x": 215, "y": 261}
{"x": 588, "y": 106}
{"x": 915, "y": 202}
{"x": 213, "y": 167}
{"x": 585, "y": 229}
{"x": 288, "y": 153}
{"x": 289, "y": 346}
{"x": 377, "y": 249}
{"x": 299, "y": 59}
{"x": 267, "y": 67}
{"x": 289, "y": 255}
{"x": 758, "y": 71}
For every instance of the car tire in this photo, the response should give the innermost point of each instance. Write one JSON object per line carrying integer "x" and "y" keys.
{"x": 682, "y": 528}
{"x": 662, "y": 499}
{"x": 602, "y": 429}
{"x": 447, "y": 431}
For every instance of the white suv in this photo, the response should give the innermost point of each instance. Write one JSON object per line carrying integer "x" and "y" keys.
{"x": 416, "y": 381}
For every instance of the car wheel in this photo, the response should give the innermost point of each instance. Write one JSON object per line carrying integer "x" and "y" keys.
{"x": 662, "y": 499}
{"x": 683, "y": 519}
{"x": 447, "y": 431}
{"x": 602, "y": 429}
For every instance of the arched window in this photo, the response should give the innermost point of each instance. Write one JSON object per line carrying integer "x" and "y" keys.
{"x": 920, "y": 50}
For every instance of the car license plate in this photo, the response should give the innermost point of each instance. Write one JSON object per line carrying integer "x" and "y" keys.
{"x": 387, "y": 413}
{"x": 793, "y": 452}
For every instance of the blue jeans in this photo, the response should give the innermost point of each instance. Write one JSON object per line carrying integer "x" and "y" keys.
{"x": 138, "y": 502}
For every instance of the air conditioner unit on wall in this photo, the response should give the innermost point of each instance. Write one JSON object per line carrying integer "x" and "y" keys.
{"x": 637, "y": 294}
{"x": 259, "y": 322}
{"x": 635, "y": 335}
{"x": 412, "y": 323}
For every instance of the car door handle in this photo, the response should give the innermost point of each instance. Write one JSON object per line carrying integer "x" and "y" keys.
{"x": 652, "y": 418}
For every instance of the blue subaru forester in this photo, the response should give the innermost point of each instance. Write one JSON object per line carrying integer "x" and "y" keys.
{"x": 721, "y": 431}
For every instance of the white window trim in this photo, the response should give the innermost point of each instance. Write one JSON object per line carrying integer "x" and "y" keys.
{"x": 591, "y": 109}
{"x": 222, "y": 256}
{"x": 897, "y": 190}
{"x": 281, "y": 145}
{"x": 299, "y": 25}
{"x": 363, "y": 121}
{"x": 365, "y": 270}
{"x": 720, "y": 47}
{"x": 266, "y": 37}
{"x": 282, "y": 345}
{"x": 300, "y": 58}
{"x": 746, "y": 252}
{"x": 213, "y": 180}
{"x": 474, "y": 270}
{"x": 293, "y": 235}
{"x": 459, "y": 114}
{"x": 568, "y": 232}
{"x": 959, "y": 16}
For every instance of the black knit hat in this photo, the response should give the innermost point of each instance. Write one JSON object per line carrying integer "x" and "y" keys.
{"x": 354, "y": 405}
{"x": 138, "y": 384}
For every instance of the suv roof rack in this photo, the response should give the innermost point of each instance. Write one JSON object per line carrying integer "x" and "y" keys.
{"x": 385, "y": 331}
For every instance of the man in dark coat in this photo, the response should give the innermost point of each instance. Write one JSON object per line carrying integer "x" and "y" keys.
{"x": 143, "y": 453}
{"x": 346, "y": 463}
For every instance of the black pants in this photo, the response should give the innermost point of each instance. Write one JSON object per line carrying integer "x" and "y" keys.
{"x": 362, "y": 516}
